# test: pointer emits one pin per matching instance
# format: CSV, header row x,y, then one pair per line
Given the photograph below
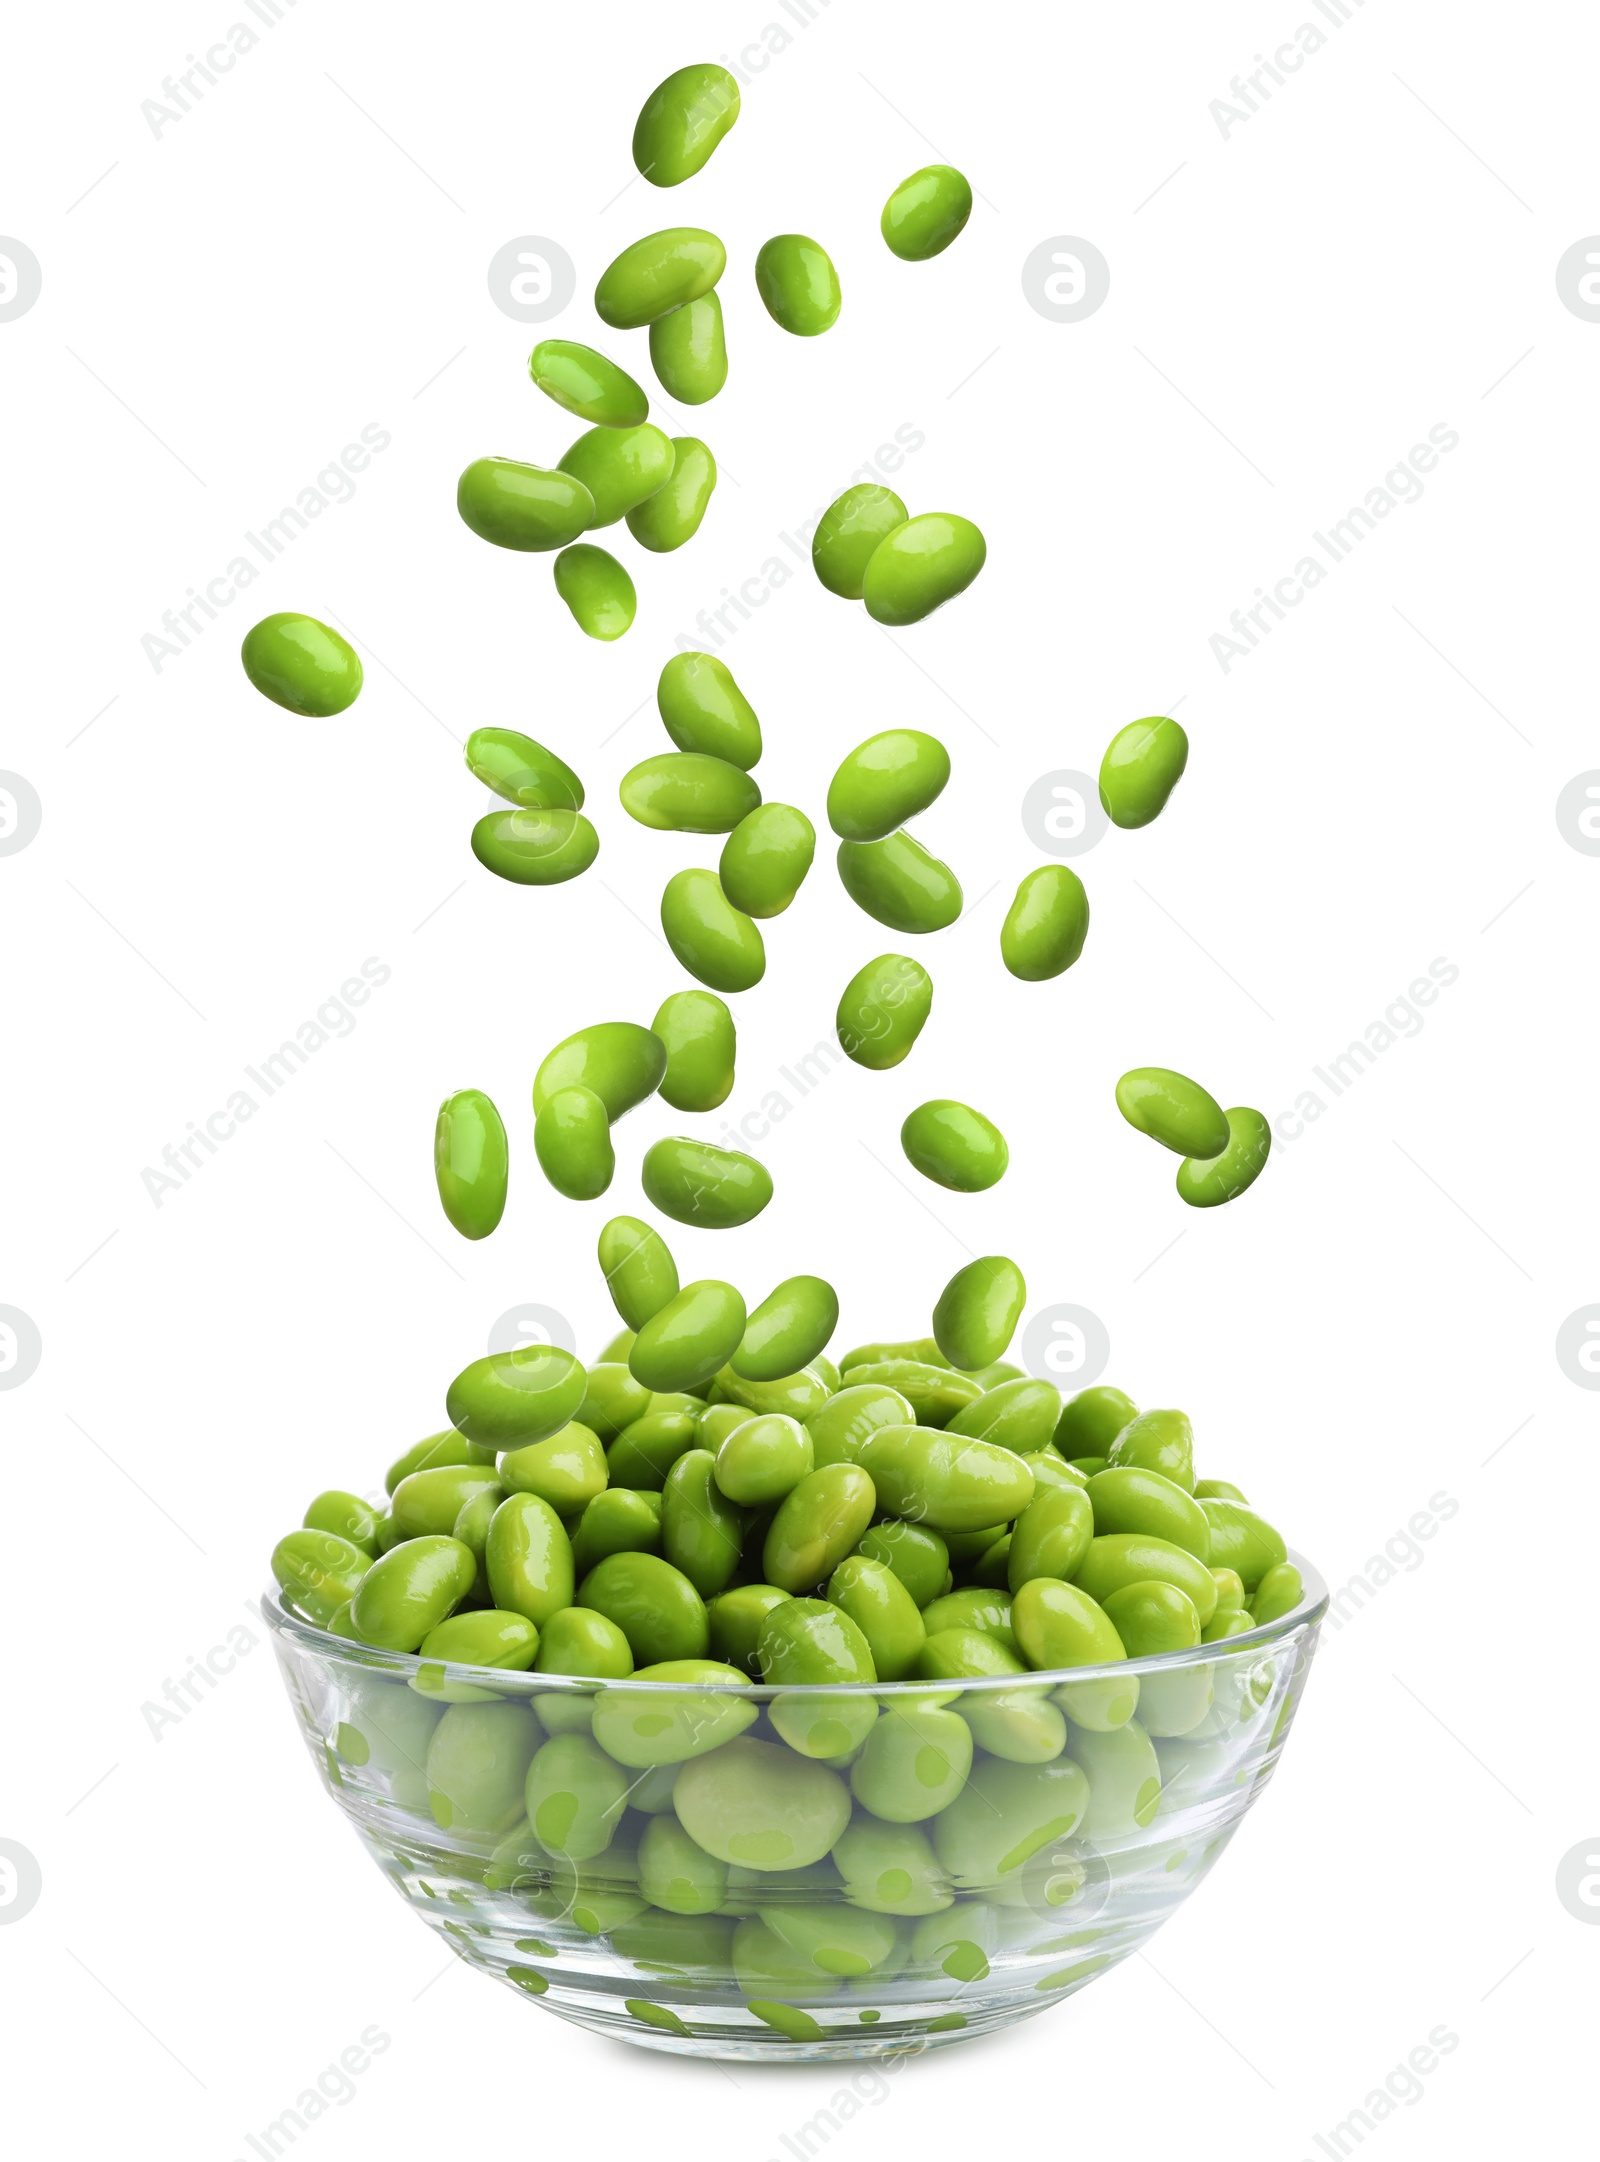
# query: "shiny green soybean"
x,y
755,1804
978,1311
898,883
848,535
882,1011
654,1605
584,382
808,1642
1160,1441
687,792
621,1520
639,1270
1242,1541
572,1140
477,1765
1091,1421
703,709
321,1571
798,1396
1206,1182
1003,1815
698,1032
1021,1414
522,771
915,1762
677,509
1173,1110
408,1591
529,1559
694,1182
470,1162
973,1607
716,942
883,1610
568,1470
528,507
735,1619
1130,1497
689,351
1143,764
934,1393
765,859
702,1531
689,1339
1279,1592
818,1523
428,1502
890,1868
947,1482
842,1426
798,284
1051,1536
1117,1559
1124,1776
921,565
916,1554
577,1640
575,1796
486,1638
682,121
511,1398
535,848
885,781
620,467
446,1448
645,1451
620,1061
302,665
955,1146
597,590
926,212
678,1875
1046,924
348,1516
763,1459
663,271
788,1329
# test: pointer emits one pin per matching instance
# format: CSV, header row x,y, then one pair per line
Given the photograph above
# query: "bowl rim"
x,y
284,1622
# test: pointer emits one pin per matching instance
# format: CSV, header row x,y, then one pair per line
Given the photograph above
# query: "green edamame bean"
x,y
883,1610
735,1619
935,1393
1128,1497
410,1590
762,1460
572,1140
765,859
446,1448
950,1655
818,1523
840,1427
993,1566
1052,1536
715,941
674,514
478,1763
532,508
1152,1618
898,883
682,121
713,1425
1243,1541
620,467
1050,1472
470,1160
486,1638
621,1520
663,271
798,1395
597,590
882,1011
694,1182
1173,1110
1230,1622
890,1868
522,771
918,1557
584,382
302,665
832,1940
320,1571
1143,764
703,709
1278,1593
914,1764
884,781
955,1146
926,212
848,535
1118,1558
702,1531
1124,1777
535,848
639,1270
798,284
1091,1421
973,1607
921,565
1022,1415
676,1873
1060,1625
349,1516
759,1805
698,1032
620,1061
428,1502
1004,1814
949,1482
654,1605
642,1728
568,1470
788,1329
575,1796
690,1338
1230,1590
1046,924
386,1737
511,1398
528,1558
1160,1441
807,1642
577,1640
1207,1183
687,792
978,1311
612,1399
643,1453
689,351
1219,1490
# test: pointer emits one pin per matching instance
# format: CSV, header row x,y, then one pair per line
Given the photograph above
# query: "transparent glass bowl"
x,y
1036,1881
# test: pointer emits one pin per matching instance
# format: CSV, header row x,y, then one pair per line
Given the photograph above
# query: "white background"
x,y
1293,305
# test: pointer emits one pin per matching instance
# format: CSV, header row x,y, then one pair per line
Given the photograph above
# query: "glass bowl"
x,y
975,1893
